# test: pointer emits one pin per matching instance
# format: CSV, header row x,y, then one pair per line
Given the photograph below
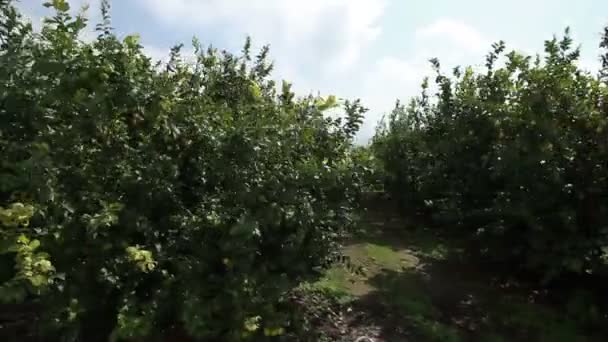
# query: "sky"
x,y
375,50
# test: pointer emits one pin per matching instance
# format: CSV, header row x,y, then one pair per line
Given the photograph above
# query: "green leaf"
x,y
61,5
38,280
34,244
22,239
132,40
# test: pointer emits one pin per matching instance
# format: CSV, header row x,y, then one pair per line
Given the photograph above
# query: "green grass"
x,y
382,255
337,281
373,259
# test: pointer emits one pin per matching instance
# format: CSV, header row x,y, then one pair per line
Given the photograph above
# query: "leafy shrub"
x,y
369,168
513,157
166,197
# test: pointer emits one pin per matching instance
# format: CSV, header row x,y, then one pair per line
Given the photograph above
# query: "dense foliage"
x,y
140,198
512,157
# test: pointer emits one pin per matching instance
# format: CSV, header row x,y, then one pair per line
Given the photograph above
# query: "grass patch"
x,y
376,257
382,255
337,281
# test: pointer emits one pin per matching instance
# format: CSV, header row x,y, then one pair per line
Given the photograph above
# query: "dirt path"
x,y
404,283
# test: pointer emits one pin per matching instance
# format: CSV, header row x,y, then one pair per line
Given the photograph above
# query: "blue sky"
x,y
376,50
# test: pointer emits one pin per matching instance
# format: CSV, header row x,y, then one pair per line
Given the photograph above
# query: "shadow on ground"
x,y
415,286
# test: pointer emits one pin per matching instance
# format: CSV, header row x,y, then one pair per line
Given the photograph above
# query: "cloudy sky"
x,y
376,50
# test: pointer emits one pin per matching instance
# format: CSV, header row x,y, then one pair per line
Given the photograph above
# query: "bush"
x,y
512,158
369,169
140,198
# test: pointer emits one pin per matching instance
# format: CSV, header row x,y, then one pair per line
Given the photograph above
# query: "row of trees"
x,y
140,199
513,158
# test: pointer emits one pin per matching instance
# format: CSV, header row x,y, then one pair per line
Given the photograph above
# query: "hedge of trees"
x,y
141,199
513,157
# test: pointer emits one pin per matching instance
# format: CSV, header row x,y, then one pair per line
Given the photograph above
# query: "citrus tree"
x,y
511,157
142,199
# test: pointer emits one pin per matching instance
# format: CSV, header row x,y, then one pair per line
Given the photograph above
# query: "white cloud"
x,y
157,53
454,32
591,65
330,33
391,78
